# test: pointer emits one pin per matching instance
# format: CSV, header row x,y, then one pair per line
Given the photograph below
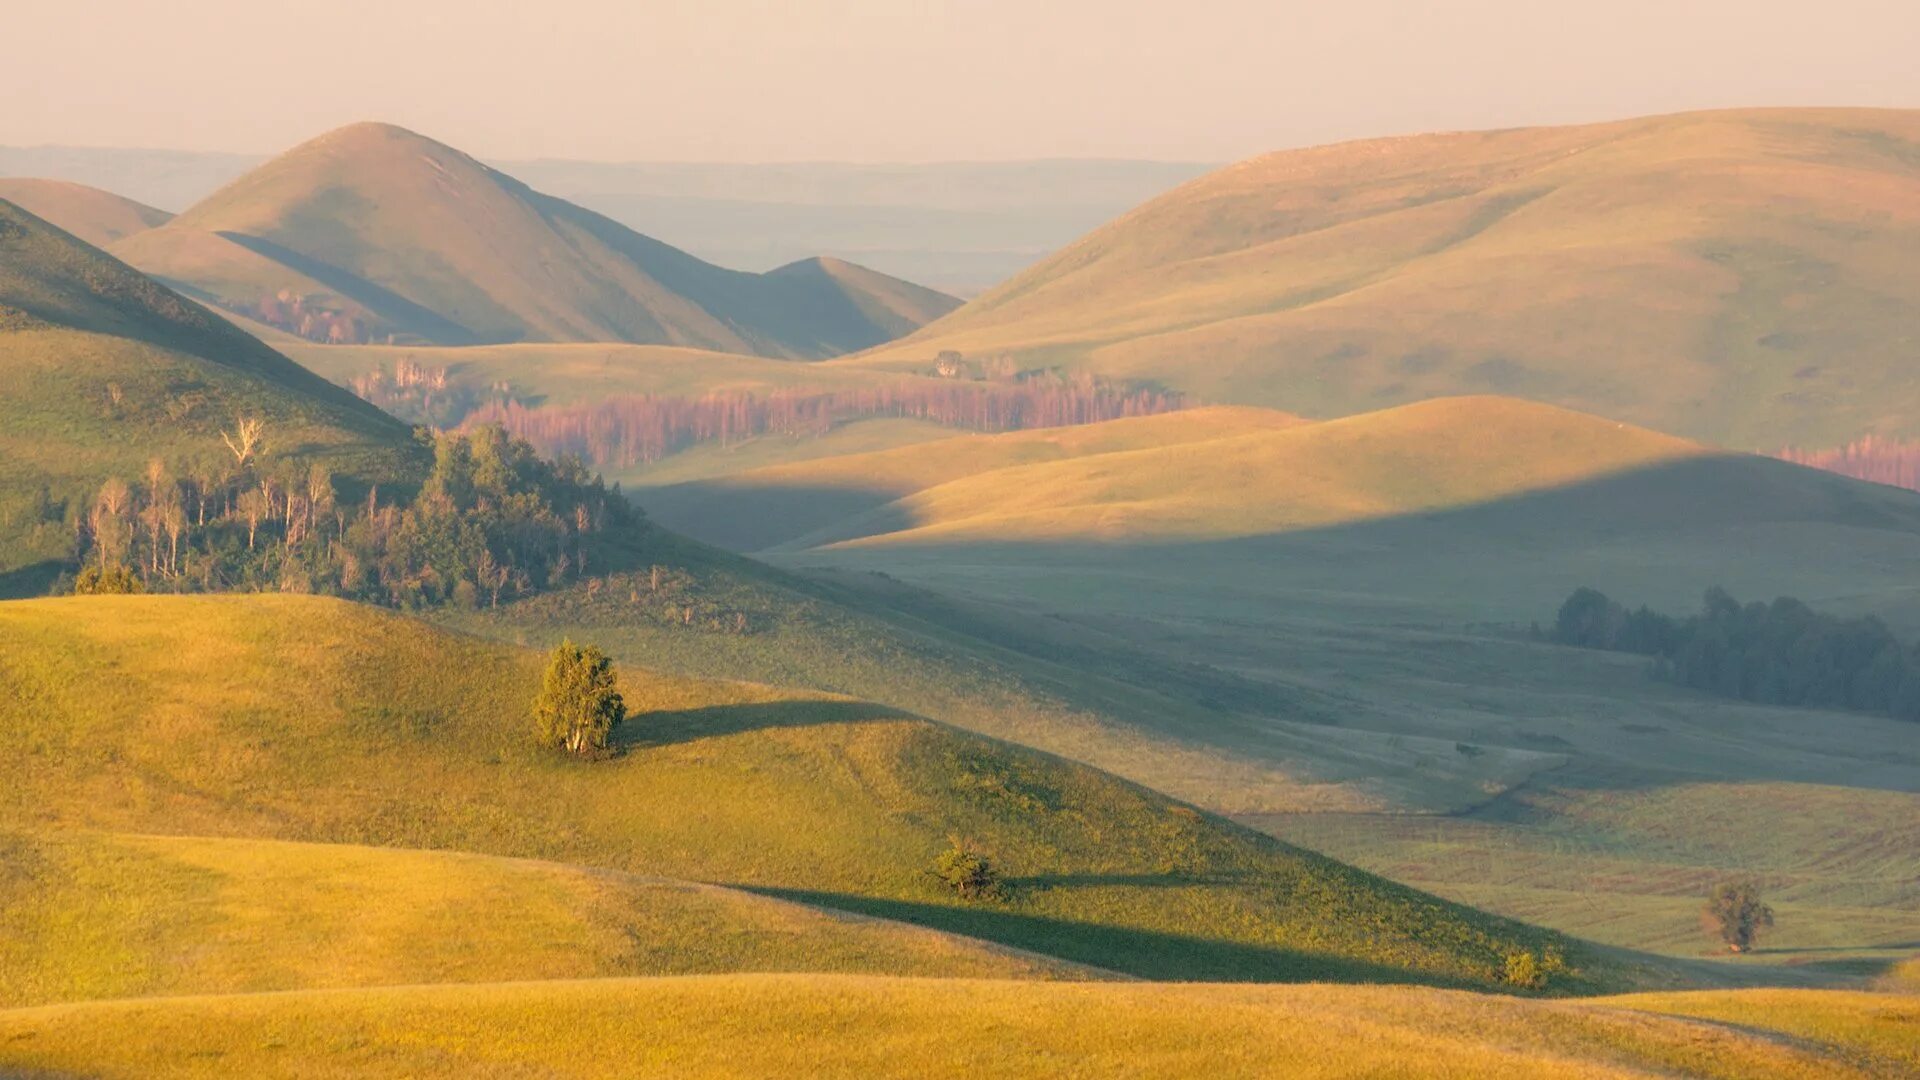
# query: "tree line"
x,y
1782,653
1883,461
492,520
631,430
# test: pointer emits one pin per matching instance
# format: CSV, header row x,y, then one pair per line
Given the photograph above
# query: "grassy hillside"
x,y
98,217
106,369
851,1026
385,232
92,915
299,718
749,510
1737,277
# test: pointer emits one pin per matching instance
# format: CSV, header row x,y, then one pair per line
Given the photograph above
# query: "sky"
x,y
917,80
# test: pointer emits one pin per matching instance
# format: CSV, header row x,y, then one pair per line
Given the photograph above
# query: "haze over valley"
x,y
1434,591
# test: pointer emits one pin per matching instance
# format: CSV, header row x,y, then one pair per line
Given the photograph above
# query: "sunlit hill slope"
x,y
1739,277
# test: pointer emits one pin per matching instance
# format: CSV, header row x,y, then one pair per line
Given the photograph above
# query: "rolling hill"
x,y
98,217
849,1026
295,718
1224,474
378,232
1736,277
97,915
104,369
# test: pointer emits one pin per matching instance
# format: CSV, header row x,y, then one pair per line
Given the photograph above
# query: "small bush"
x,y
1523,969
968,872
103,580
1531,971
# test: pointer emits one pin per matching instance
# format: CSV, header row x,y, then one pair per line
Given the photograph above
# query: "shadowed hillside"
x,y
98,217
1739,277
371,232
104,369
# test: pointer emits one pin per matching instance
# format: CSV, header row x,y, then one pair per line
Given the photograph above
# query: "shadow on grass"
x,y
1146,881
31,580
665,727
1146,954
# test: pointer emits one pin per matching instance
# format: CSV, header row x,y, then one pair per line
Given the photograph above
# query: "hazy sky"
x,y
916,80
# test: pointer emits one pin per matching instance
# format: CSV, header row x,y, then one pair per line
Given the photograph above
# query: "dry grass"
x,y
91,915
738,1026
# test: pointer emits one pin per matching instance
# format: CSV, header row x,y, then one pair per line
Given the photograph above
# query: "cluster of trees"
x,y
493,519
1883,461
627,431
420,394
1783,653
289,311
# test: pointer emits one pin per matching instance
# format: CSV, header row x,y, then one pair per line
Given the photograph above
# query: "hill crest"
x,y
372,231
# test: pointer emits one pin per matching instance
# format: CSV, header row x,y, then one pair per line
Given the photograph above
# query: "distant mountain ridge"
x,y
373,231
960,227
1742,277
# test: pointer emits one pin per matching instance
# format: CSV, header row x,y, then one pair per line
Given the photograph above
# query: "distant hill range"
x,y
372,232
960,227
1745,278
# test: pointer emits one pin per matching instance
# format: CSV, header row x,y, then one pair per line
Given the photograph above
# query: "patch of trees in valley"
x,y
302,317
638,429
492,520
1779,653
420,394
1882,461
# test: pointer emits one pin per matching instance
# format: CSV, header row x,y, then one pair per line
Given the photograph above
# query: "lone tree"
x,y
968,872
578,708
1736,914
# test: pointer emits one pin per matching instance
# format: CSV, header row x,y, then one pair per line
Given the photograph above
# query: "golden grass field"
x,y
748,1025
103,915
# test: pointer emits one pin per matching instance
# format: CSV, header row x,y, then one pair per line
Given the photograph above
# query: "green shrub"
x,y
968,872
109,579
1523,969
